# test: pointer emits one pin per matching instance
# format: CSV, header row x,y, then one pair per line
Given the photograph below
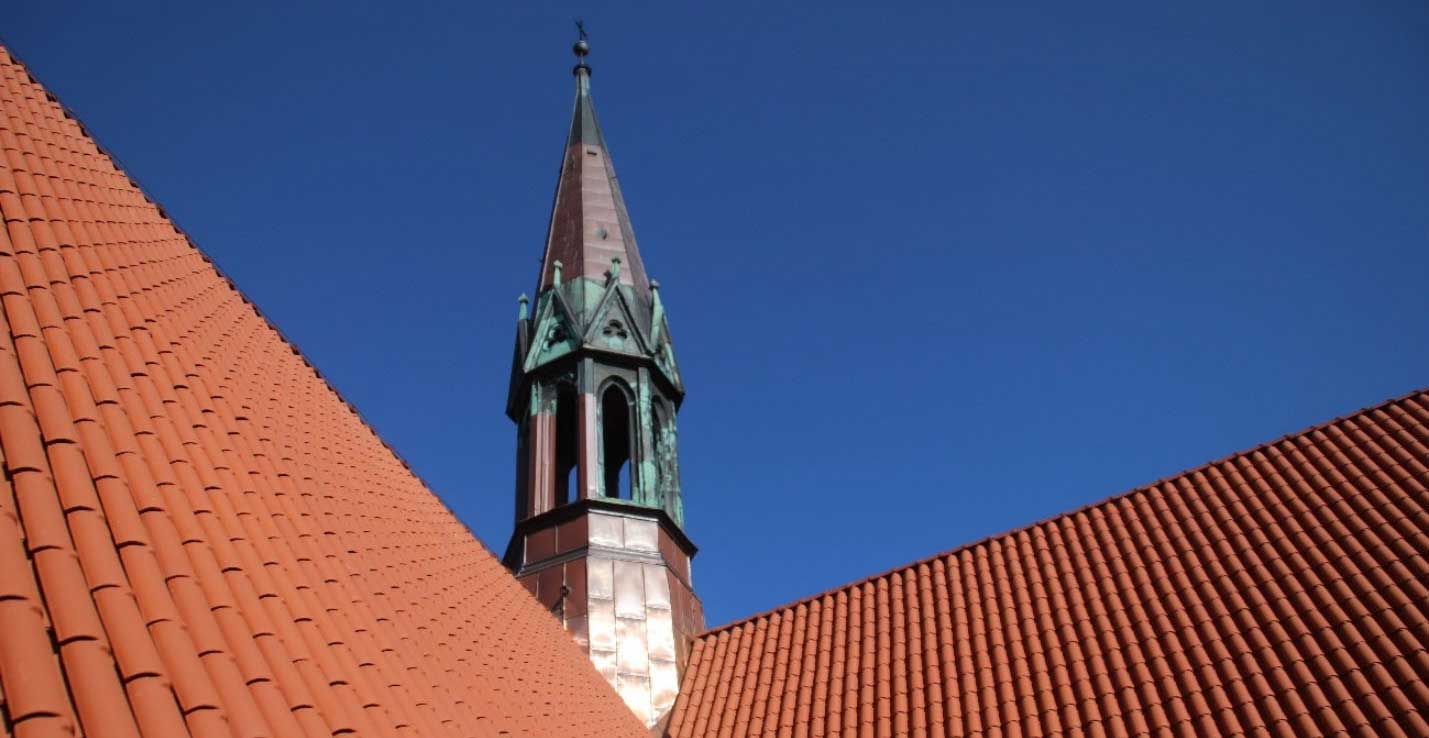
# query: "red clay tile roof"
x,y
197,535
1282,592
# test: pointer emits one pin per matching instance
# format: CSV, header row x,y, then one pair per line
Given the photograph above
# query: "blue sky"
x,y
935,271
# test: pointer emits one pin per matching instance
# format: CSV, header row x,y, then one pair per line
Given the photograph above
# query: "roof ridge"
x,y
1422,390
208,258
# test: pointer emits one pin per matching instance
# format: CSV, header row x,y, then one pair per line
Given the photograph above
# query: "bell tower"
x,y
599,536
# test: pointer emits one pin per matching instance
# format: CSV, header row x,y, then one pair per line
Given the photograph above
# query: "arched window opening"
x,y
615,433
567,429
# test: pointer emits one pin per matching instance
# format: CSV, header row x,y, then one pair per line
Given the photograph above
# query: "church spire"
x,y
595,393
590,226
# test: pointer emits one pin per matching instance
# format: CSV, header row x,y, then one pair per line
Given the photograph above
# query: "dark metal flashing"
x,y
572,510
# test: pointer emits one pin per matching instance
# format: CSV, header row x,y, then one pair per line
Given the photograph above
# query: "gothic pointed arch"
x,y
556,330
617,440
615,325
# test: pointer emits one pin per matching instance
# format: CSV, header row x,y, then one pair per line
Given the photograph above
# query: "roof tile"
x,y
1279,592
182,484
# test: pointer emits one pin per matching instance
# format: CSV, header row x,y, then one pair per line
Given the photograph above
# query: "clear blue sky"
x,y
934,271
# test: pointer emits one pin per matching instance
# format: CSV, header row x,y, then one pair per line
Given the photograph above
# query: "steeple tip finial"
x,y
581,48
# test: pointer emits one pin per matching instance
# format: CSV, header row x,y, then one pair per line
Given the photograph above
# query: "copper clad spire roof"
x,y
590,226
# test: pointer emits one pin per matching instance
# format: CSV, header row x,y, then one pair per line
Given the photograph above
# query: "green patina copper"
x,y
587,294
555,332
600,456
664,354
614,325
602,320
645,485
612,320
665,360
668,459
543,399
657,310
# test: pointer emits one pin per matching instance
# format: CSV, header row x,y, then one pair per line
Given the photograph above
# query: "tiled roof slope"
x,y
197,535
1279,592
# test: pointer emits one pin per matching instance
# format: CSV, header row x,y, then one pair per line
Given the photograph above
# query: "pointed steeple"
x,y
595,394
590,226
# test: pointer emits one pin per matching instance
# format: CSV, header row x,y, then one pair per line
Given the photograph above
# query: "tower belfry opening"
x,y
616,441
595,392
567,440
